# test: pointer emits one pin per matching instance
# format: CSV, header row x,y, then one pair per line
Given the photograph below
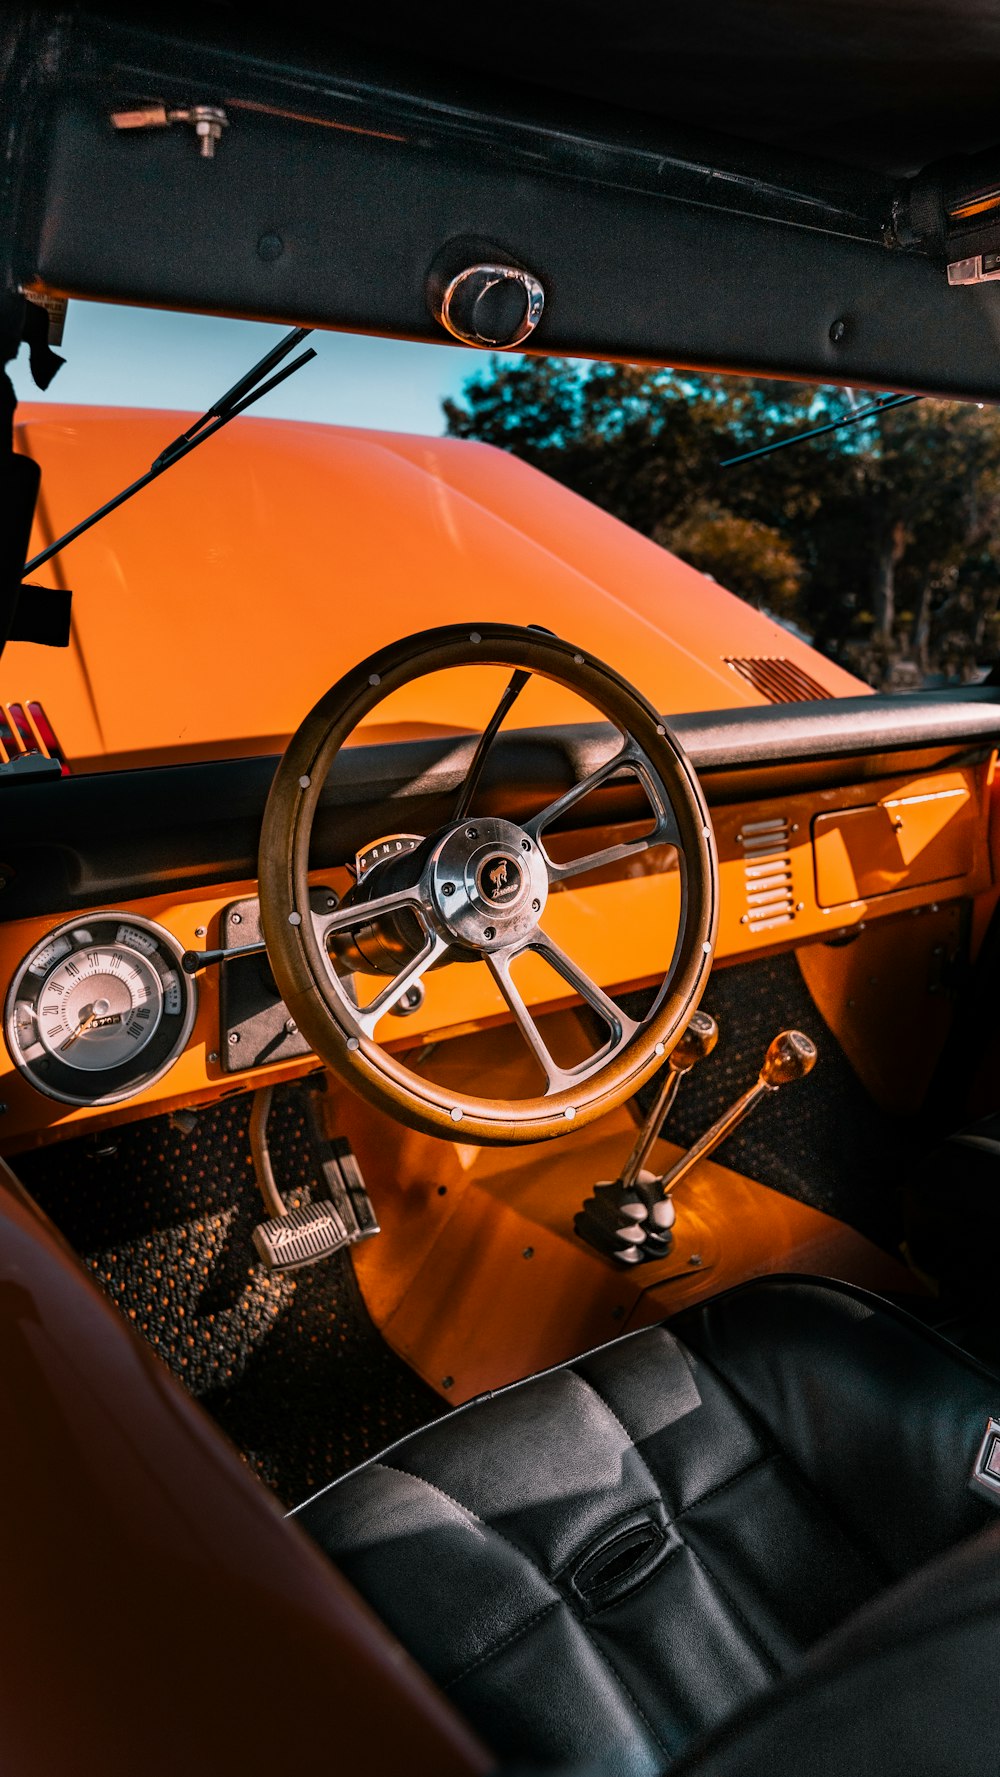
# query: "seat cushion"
x,y
604,1562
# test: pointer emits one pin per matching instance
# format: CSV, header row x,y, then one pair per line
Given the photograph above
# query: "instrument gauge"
x,y
99,1009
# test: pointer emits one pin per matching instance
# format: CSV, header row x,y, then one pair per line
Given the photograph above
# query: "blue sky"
x,y
126,357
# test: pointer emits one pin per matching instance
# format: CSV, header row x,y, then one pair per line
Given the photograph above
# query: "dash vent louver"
x,y
779,680
767,874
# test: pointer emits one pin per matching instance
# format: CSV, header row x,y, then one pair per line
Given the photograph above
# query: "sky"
x,y
131,357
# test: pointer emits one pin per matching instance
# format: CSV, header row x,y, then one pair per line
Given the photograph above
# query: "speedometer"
x,y
99,1009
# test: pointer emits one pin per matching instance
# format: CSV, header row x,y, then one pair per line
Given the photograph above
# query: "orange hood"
x,y
212,611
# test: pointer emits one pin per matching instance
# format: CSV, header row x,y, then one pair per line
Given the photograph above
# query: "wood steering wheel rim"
x,y
293,932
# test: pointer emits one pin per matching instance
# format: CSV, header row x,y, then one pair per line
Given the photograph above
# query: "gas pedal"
x,y
301,1237
341,1215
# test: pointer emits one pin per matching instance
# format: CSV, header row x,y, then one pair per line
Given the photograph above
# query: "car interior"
x,y
500,1090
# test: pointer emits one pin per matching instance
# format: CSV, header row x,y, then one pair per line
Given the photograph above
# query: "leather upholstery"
x,y
609,1560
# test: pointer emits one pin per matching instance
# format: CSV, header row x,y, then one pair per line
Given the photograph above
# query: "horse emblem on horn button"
x,y
499,879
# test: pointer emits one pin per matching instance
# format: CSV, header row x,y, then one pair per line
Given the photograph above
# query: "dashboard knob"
x,y
492,305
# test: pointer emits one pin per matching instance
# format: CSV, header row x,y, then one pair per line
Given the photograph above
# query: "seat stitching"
x,y
720,1486
601,1652
753,1635
767,1435
608,1408
498,1646
469,1513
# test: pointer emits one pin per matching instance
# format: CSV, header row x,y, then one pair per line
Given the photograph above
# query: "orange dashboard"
x,y
794,870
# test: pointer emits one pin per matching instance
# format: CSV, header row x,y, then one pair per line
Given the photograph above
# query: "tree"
x,y
881,540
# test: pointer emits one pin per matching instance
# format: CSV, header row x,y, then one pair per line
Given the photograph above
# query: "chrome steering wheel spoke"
x,y
665,830
620,1026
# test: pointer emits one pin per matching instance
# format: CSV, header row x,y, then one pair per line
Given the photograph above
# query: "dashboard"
x,y
826,817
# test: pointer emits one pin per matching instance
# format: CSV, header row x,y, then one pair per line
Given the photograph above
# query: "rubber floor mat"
x,y
291,1367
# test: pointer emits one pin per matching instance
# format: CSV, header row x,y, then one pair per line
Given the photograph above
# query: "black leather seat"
x,y
608,1562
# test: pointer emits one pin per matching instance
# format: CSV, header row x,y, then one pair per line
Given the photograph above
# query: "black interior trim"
x,y
708,252
117,836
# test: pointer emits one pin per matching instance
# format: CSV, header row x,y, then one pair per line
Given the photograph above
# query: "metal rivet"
x,y
489,932
213,1055
475,636
447,1382
472,832
353,1043
199,931
442,1190
526,845
570,1112
303,783
660,728
270,247
659,1048
536,906
707,948
295,919
234,1036
456,1115
447,888
695,1259
374,679
237,919
332,900
800,906
578,660
837,331
528,1253
290,1026
706,832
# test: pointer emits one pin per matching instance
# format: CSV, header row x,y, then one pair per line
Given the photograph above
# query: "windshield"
x,y
357,505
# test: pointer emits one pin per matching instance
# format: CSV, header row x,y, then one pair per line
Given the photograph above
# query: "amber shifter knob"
x,y
790,1057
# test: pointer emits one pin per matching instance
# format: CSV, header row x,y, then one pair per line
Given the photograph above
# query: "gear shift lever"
x,y
631,1213
695,1045
790,1057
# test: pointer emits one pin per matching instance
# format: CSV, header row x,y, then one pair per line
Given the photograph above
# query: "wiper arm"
x,y
851,419
509,696
235,401
486,739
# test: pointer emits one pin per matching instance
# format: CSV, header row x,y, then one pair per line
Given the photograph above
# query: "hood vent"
x,y
780,681
27,735
767,874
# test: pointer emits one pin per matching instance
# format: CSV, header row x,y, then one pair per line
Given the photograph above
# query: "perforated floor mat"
x,y
291,1367
821,1140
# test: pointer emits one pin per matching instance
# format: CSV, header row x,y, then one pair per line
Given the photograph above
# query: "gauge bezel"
x,y
176,1027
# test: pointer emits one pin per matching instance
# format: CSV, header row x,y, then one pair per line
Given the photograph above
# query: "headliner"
x,y
890,85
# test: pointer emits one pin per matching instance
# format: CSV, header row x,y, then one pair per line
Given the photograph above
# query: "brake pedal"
x,y
340,1217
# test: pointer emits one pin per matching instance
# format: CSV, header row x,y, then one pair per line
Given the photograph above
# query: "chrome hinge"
x,y
207,121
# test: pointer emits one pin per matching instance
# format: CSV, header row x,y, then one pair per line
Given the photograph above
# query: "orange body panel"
x,y
214,609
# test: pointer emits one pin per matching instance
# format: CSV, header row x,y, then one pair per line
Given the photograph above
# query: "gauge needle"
x,y
78,1032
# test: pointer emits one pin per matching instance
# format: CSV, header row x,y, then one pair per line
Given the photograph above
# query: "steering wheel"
x,y
477,889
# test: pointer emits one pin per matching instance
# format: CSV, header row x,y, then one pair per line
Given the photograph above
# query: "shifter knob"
x,y
790,1057
697,1043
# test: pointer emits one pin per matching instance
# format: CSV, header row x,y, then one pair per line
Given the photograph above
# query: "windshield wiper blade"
x,y
235,401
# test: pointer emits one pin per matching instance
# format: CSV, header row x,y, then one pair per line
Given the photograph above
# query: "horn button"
x,y
489,884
